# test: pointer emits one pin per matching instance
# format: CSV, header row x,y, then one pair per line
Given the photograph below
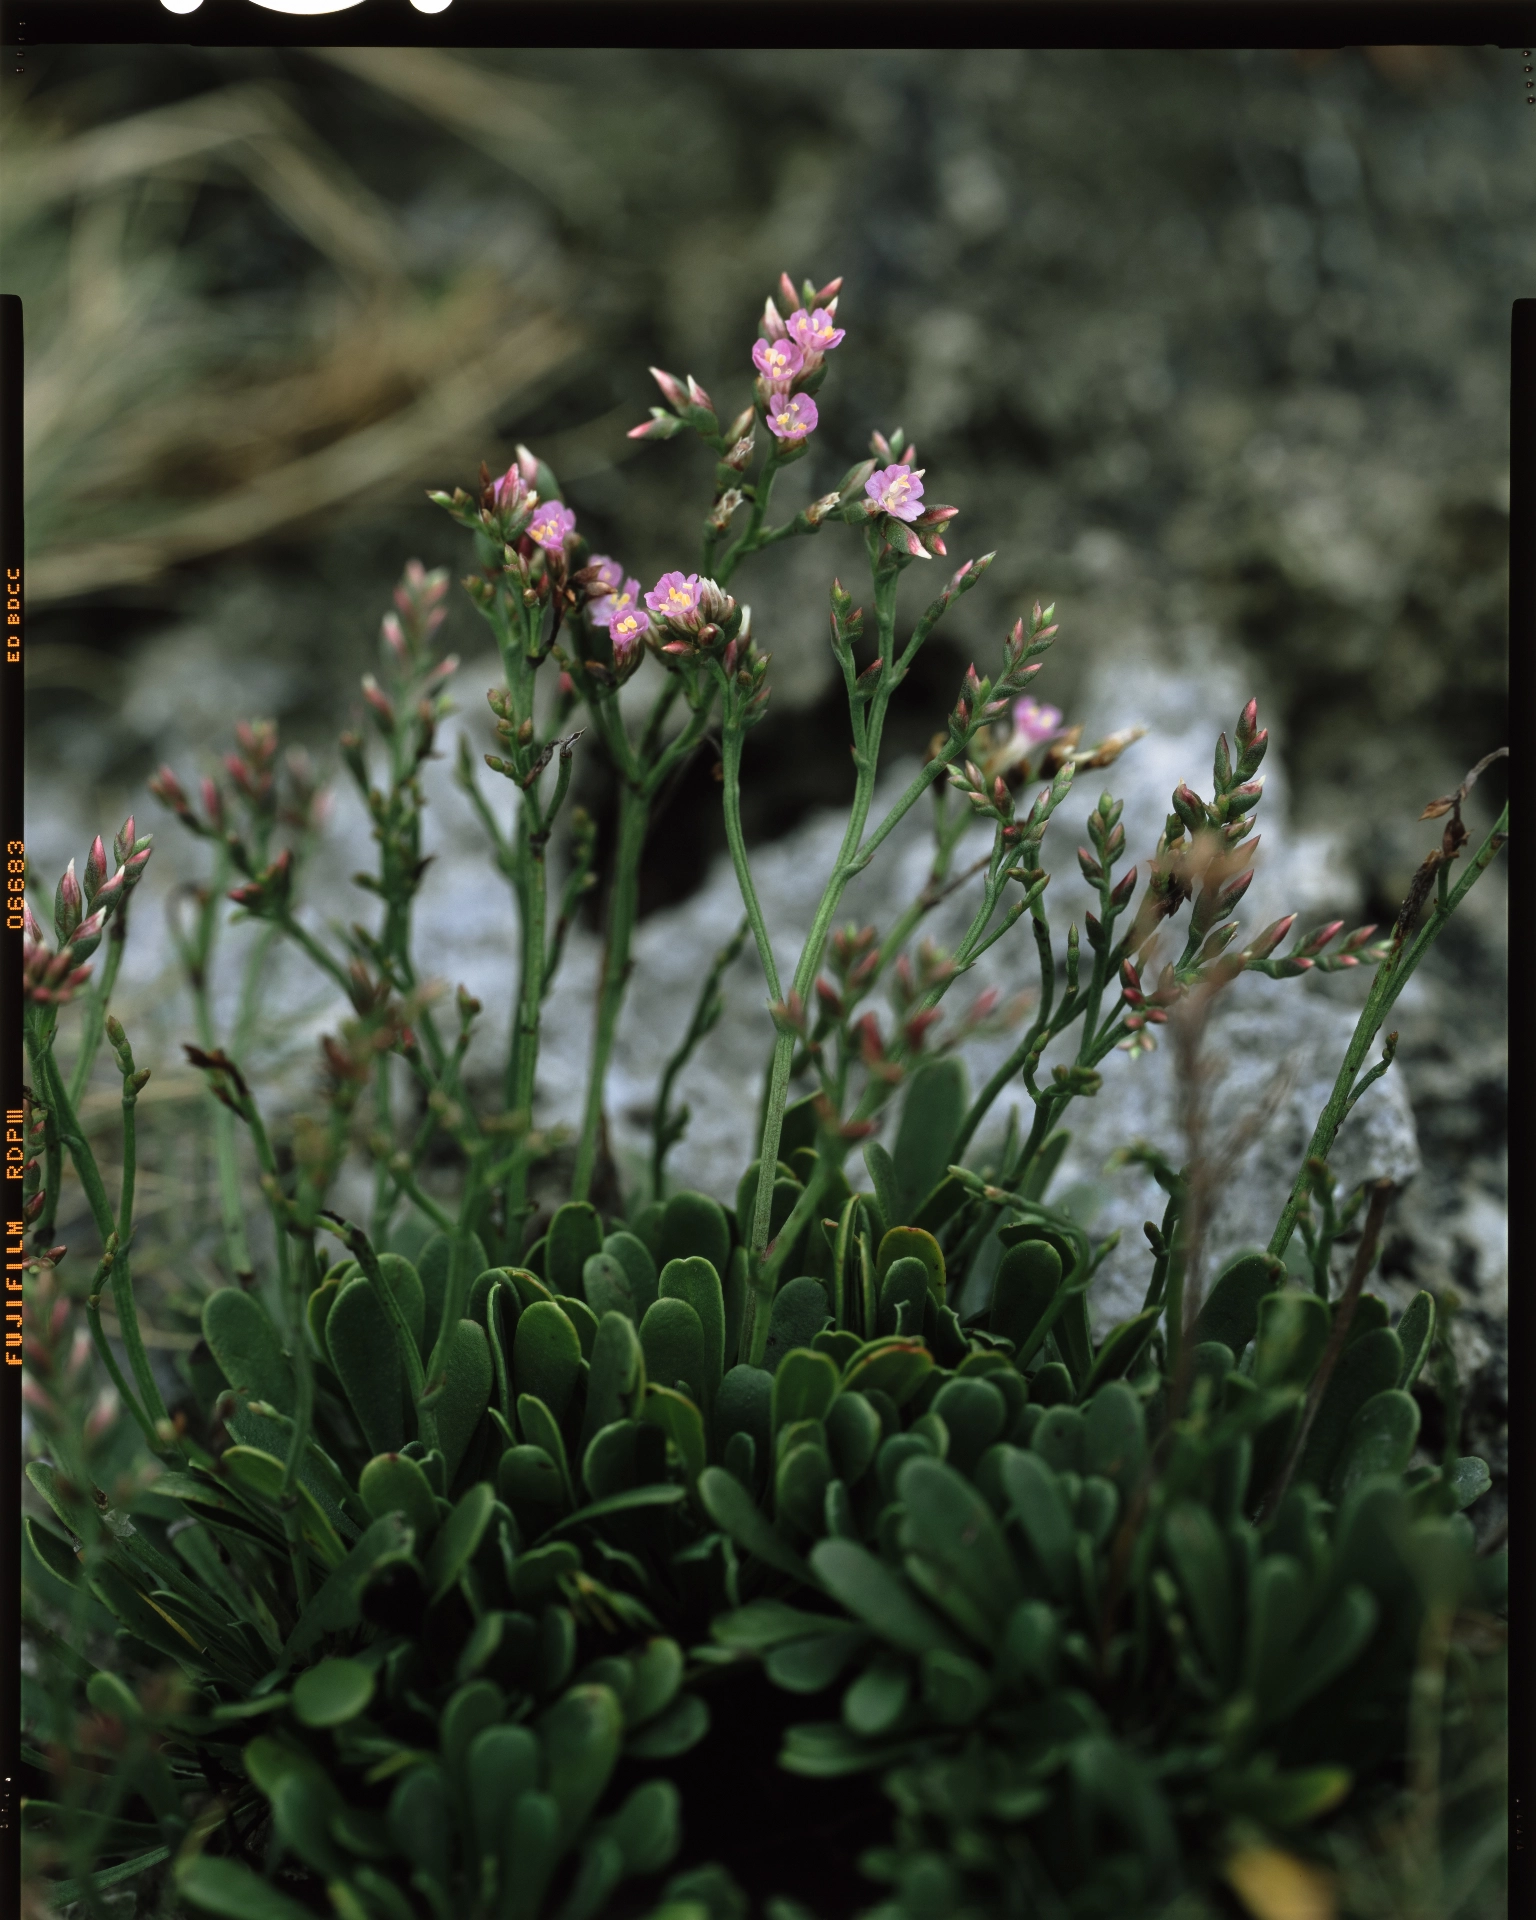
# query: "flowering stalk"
x,y
869,698
1408,948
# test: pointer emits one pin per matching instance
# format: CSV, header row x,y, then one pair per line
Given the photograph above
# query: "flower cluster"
x,y
80,916
893,488
789,353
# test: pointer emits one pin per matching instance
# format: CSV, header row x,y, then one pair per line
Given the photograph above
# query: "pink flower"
x,y
778,361
814,332
1033,722
607,575
623,599
897,491
791,419
551,526
675,596
627,631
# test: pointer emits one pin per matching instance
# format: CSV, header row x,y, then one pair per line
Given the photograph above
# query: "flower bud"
x,y
67,905
379,701
1123,888
124,843
87,936
672,389
95,871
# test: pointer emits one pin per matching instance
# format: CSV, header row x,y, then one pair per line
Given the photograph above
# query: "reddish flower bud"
x,y
672,389
1124,887
68,903
95,870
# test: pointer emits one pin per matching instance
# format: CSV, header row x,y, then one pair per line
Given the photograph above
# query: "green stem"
x,y
96,1006
623,901
1391,977
531,886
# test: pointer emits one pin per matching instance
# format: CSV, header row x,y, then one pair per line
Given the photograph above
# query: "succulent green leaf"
x,y
1028,1276
1031,1645
975,1413
611,1461
878,1698
949,1523
248,1348
1122,1349
1035,1495
226,1888
874,1593
1115,1436
546,1356
694,1227
1277,1594
931,1118
682,1726
800,1487
696,1280
1416,1334
582,1318
798,1314
812,1663
1198,1554
539,1428
465,1393
404,1282
616,1382
804,1387
262,1473
457,1539
1230,1312
730,1506
887,1195
657,1674
1293,1328
528,1287
896,1368
1380,1439
606,1283
679,1419
528,1473
744,1404
332,1693
336,1606
903,1297
912,1243
673,1341
432,1267
1331,1647
647,1829
1060,1439
394,1483
575,1234
654,1493
365,1357
955,1689
854,1433
536,1574
1367,1366
318,1310
421,1821
582,1734
503,1763
1468,1480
